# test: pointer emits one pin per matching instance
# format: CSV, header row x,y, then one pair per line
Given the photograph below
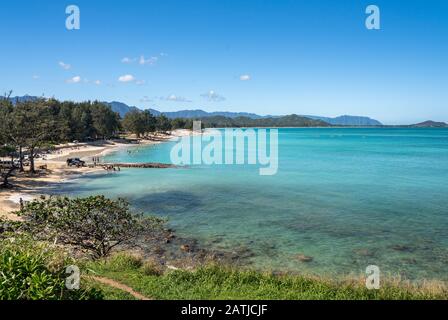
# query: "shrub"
x,y
34,271
152,268
95,224
124,261
7,226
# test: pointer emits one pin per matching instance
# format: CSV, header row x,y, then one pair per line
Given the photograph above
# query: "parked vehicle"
x,y
75,162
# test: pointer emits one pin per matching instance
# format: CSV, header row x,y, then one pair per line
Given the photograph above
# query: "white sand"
x,y
28,187
15,198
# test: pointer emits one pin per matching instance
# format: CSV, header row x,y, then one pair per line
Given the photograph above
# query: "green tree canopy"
x,y
95,224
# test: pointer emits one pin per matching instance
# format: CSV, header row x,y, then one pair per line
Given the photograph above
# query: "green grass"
x,y
218,282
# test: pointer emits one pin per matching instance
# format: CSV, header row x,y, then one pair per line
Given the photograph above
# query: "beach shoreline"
x,y
28,187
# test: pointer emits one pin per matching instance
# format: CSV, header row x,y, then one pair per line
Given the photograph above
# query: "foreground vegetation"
x,y
33,273
36,271
59,232
35,252
222,283
94,225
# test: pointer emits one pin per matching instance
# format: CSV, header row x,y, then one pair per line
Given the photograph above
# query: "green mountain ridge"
x,y
430,124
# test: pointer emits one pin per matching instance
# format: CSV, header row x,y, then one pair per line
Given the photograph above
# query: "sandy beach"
x,y
28,187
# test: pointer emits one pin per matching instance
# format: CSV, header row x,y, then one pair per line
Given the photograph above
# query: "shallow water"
x,y
346,197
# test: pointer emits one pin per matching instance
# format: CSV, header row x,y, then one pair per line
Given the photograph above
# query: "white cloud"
x,y
35,77
126,78
213,96
151,61
245,77
131,78
97,82
76,79
127,60
143,61
64,65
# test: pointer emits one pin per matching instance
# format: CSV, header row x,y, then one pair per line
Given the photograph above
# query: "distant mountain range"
x,y
23,98
348,121
122,109
345,120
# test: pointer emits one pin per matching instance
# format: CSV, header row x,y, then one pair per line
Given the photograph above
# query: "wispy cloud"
x,y
140,82
64,65
175,98
36,77
76,79
126,78
213,96
245,77
144,61
128,60
145,99
151,61
97,82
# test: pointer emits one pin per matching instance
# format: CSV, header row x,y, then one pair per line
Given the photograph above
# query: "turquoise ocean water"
x,y
348,197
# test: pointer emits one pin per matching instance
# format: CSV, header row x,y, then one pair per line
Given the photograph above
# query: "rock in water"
x,y
403,248
304,258
185,248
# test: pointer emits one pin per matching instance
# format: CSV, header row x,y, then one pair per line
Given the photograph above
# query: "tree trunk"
x,y
6,175
21,159
32,168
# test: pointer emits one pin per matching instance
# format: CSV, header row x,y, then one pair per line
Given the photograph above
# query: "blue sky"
x,y
262,56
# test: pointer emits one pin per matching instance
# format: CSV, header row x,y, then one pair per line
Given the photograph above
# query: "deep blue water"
x,y
348,197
